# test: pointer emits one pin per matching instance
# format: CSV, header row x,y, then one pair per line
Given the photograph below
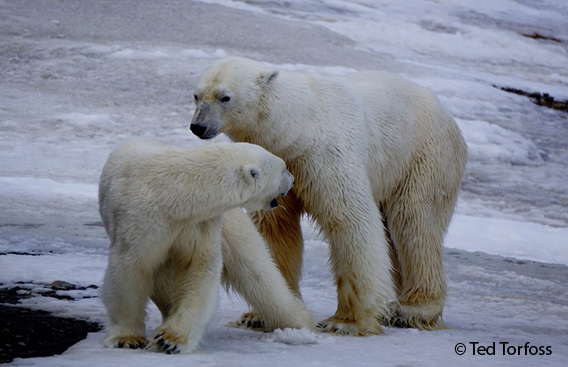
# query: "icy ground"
x,y
76,78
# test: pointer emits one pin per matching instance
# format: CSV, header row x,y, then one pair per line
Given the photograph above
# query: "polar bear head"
x,y
264,175
229,95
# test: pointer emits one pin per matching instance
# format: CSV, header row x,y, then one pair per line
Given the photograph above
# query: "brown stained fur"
x,y
250,321
348,311
349,327
395,269
350,303
354,286
282,231
350,297
339,283
403,320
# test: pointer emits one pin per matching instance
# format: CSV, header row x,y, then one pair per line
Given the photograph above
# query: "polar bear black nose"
x,y
198,130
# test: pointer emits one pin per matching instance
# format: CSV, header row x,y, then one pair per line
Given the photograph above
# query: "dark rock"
x,y
61,285
541,99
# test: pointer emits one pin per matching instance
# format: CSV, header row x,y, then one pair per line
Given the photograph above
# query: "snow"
x,y
80,77
514,239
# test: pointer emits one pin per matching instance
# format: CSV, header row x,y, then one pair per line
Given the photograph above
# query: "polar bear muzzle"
x,y
203,132
199,130
202,124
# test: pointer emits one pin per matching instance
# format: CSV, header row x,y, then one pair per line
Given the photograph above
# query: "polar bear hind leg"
x,y
417,216
187,289
126,327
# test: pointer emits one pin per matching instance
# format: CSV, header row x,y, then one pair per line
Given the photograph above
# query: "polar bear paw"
x,y
167,341
250,321
126,342
427,316
341,327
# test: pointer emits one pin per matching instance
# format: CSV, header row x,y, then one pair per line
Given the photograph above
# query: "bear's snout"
x,y
198,130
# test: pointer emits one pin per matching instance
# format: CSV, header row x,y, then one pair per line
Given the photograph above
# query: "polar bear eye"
x,y
196,98
225,99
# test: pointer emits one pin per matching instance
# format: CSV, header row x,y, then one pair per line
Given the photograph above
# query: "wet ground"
x,y
26,333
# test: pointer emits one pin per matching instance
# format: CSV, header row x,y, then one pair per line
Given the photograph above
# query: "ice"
x,y
296,337
487,142
509,238
42,187
77,78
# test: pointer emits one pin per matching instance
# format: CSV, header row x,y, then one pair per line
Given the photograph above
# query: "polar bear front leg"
x,y
195,274
250,270
351,222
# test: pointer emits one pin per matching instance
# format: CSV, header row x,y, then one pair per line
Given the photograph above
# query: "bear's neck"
x,y
285,126
283,144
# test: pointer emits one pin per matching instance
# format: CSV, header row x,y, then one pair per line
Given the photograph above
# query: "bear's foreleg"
x,y
195,272
344,208
250,270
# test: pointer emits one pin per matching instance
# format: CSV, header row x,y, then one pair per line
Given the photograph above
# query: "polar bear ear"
x,y
251,173
265,77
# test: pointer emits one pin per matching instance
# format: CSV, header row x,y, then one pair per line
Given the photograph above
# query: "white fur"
x,y
162,208
366,150
249,269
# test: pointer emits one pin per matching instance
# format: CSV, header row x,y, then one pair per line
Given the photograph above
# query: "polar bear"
x,y
162,208
378,164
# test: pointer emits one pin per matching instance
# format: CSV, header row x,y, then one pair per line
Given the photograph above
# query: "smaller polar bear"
x,y
162,208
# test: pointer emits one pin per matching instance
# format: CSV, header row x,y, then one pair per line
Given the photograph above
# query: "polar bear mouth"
x,y
274,203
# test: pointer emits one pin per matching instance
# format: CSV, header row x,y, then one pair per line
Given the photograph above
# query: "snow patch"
x,y
491,143
509,238
296,337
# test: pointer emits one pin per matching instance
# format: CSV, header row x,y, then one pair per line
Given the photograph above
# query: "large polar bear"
x,y
162,208
378,163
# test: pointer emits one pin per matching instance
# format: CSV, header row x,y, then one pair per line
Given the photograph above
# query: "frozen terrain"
x,y
76,78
